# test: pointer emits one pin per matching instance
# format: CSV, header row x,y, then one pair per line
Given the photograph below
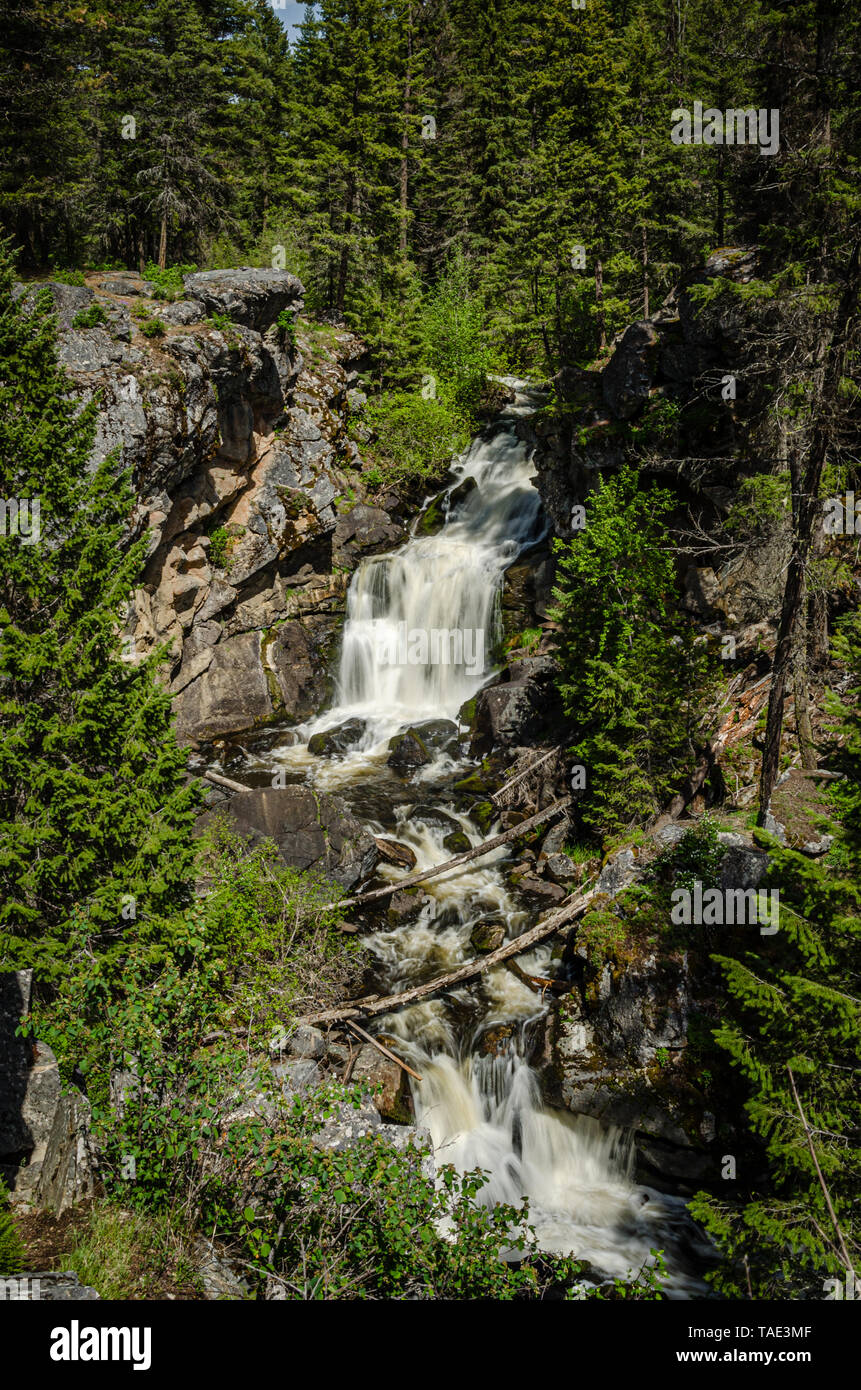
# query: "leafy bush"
x,y
414,439
152,328
68,277
90,317
452,328
168,281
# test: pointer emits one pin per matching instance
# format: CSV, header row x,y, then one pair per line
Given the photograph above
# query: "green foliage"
x,y
793,1013
90,317
222,322
285,327
153,328
124,1253
95,813
414,439
168,282
219,546
759,507
696,857
68,277
632,679
602,933
454,339
12,1254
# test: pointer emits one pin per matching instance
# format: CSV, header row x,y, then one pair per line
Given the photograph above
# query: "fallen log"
x,y
421,875
359,1008
381,1047
227,782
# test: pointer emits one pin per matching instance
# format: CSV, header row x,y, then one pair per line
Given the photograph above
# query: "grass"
x,y
130,1254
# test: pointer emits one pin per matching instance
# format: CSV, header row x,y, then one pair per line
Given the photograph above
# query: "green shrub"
x,y
285,326
168,282
152,328
414,439
90,317
68,277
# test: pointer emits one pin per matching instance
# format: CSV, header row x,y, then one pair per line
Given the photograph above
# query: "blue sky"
x,y
291,13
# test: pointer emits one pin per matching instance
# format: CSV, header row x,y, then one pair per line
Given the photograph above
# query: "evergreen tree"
x,y
631,677
95,812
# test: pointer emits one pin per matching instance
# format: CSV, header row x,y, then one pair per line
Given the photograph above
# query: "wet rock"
x,y
433,815
518,712
407,751
496,1042
388,1083
436,734
405,905
396,853
311,831
456,843
330,743
248,296
487,936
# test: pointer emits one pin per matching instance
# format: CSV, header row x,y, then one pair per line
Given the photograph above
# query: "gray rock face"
x,y
249,296
46,1152
68,300
232,695
364,531
311,831
628,376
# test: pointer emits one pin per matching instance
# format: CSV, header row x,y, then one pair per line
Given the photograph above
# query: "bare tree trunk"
x,y
162,243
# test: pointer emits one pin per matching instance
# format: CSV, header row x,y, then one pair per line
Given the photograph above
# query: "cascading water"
x,y
483,1109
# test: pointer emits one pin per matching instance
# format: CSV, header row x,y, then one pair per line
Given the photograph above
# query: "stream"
x,y
479,1096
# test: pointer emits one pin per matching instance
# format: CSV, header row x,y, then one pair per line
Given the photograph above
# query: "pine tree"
x,y
631,677
95,809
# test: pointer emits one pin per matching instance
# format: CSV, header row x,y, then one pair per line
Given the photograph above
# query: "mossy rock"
x,y
474,783
456,843
487,936
482,812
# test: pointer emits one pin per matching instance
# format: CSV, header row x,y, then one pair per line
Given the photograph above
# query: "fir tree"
x,y
95,812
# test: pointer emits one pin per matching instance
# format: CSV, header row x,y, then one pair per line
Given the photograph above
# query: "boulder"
x,y
248,295
407,751
487,936
330,743
396,853
312,831
52,1286
294,658
388,1083
364,531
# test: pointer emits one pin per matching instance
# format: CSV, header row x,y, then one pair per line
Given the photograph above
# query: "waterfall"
x,y
482,1109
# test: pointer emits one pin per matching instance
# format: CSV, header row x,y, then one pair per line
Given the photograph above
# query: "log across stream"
x,y
468,1042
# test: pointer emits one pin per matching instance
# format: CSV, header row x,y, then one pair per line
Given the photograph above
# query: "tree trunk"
x,y
645,273
162,243
600,322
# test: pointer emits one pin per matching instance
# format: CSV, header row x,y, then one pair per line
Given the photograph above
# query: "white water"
x,y
481,1110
